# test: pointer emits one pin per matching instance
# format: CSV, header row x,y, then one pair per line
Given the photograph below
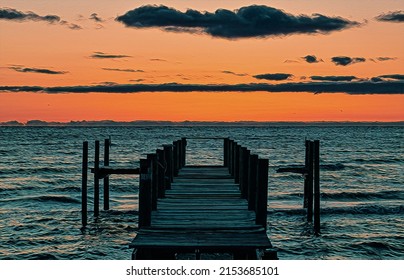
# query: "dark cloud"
x,y
333,78
235,74
393,76
246,22
101,55
397,16
363,87
95,17
345,60
15,15
124,70
37,70
376,79
137,80
312,59
273,77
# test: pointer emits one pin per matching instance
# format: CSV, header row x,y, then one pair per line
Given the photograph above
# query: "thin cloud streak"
x,y
37,70
235,74
15,15
101,55
124,70
362,87
255,21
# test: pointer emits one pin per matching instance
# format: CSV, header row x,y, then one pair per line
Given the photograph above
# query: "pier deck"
x,y
203,212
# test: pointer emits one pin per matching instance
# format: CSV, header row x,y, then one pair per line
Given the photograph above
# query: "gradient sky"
x,y
87,46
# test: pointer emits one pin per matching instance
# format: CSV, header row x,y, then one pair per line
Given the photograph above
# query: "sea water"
x,y
362,188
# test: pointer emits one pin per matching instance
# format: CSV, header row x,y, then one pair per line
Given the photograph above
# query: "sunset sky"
x,y
205,60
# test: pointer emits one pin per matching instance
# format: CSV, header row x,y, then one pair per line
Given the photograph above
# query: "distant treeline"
x,y
194,123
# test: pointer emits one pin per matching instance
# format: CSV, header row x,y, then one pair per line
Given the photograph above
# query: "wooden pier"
x,y
193,209
202,209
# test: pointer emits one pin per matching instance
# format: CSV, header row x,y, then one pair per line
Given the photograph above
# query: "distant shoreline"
x,y
110,123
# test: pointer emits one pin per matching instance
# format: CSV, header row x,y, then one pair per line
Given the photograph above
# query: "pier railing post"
x,y
175,159
309,168
152,158
84,185
184,151
262,193
226,152
252,181
237,164
231,157
245,154
145,196
160,174
316,164
241,169
168,156
106,179
96,179
306,179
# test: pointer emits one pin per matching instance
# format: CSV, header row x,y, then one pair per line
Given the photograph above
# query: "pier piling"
x,y
84,185
96,179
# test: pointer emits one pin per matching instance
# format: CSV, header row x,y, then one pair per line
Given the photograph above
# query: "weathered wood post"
x,y
184,151
262,193
244,178
252,181
168,151
316,155
175,159
237,164
226,152
306,179
241,170
96,179
145,196
309,176
231,157
152,158
160,174
84,185
106,179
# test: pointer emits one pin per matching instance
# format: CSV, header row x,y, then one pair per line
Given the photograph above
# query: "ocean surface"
x,y
362,185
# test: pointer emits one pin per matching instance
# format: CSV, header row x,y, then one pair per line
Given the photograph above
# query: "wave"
x,y
345,195
378,160
362,195
365,209
46,198
324,167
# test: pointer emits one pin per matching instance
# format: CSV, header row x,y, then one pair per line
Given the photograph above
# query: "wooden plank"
x,y
201,239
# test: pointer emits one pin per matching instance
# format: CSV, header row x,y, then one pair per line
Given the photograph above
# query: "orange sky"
x,y
167,57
